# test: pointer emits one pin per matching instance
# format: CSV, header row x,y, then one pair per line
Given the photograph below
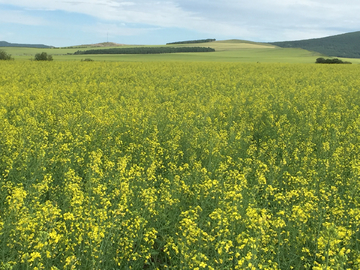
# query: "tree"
x,y
43,57
4,55
320,60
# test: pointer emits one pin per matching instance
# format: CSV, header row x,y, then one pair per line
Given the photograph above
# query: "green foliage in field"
x,y
87,60
322,60
179,166
43,57
4,55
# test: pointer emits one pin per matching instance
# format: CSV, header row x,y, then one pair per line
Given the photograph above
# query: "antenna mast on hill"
x,y
107,37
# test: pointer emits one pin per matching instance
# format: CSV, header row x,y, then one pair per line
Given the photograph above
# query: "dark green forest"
x,y
344,45
146,50
192,41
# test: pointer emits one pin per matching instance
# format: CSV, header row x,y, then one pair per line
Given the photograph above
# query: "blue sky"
x,y
76,22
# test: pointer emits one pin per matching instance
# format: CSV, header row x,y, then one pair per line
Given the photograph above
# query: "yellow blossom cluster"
x,y
179,166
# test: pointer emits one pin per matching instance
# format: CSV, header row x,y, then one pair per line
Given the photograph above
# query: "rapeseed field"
x,y
179,166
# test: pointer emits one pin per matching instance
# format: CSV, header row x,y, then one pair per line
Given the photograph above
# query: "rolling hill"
x,y
233,50
8,44
343,45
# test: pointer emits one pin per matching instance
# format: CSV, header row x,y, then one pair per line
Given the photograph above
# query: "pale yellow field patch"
x,y
228,45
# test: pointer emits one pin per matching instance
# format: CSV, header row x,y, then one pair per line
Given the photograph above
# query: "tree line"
x,y
192,41
146,50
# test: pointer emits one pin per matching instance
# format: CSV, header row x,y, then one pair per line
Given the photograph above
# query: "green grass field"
x,y
226,51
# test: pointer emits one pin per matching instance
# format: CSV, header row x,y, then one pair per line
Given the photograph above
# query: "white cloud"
x,y
19,17
110,30
256,19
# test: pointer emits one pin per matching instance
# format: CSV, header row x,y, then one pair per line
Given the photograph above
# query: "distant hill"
x,y
192,41
7,44
344,45
103,44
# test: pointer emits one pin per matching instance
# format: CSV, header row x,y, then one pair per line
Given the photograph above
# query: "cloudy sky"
x,y
75,22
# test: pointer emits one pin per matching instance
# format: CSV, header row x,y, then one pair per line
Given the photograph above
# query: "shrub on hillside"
x,y
43,57
4,55
322,60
